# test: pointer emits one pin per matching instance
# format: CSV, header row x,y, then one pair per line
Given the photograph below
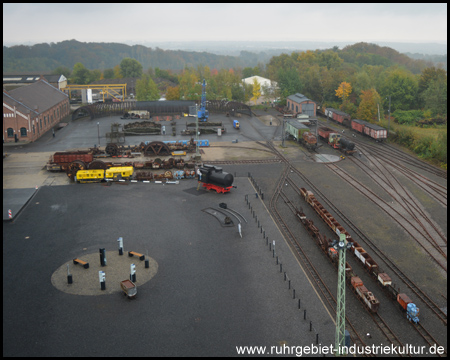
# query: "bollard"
x,y
120,241
261,230
293,290
281,267
277,259
264,233
101,277
267,240
285,276
102,257
304,316
147,263
310,326
262,196
270,246
69,276
133,273
273,253
317,338
289,282
299,304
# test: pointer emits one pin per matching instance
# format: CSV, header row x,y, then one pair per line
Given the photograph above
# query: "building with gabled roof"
x,y
30,111
300,104
14,80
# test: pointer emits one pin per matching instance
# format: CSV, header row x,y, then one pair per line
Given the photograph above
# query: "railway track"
x,y
425,240
273,208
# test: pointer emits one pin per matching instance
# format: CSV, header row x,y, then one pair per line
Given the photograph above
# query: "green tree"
x,y
108,74
288,82
435,97
80,75
130,68
402,86
62,70
153,94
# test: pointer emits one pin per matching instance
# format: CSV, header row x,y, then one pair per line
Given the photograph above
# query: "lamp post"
x,y
98,133
389,116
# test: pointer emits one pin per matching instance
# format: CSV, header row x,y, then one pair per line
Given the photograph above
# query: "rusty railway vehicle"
x,y
370,265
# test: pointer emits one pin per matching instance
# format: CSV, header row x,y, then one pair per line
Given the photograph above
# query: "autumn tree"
x,y
117,72
368,107
173,93
190,86
344,90
256,90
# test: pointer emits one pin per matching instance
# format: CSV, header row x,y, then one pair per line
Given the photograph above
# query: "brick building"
x,y
30,111
300,104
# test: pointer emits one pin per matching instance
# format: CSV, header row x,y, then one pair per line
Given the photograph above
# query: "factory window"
x,y
23,131
10,132
40,122
34,130
296,108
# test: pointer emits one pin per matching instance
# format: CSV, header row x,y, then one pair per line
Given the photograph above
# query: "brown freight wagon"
x,y
60,161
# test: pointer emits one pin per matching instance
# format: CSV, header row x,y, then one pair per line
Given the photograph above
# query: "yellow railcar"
x,y
98,175
85,176
124,172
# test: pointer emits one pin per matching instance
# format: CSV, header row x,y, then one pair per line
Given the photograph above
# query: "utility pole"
x,y
389,116
341,247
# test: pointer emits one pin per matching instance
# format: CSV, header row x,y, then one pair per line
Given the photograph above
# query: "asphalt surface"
x,y
213,290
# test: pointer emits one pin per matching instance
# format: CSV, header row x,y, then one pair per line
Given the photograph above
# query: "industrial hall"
x,y
30,111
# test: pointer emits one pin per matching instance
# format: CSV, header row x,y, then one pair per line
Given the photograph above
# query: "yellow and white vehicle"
x,y
98,175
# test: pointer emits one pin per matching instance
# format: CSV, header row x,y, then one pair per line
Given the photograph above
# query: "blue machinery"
x,y
203,114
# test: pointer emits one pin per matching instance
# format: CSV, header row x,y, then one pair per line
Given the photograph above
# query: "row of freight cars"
x,y
302,134
326,245
363,127
405,303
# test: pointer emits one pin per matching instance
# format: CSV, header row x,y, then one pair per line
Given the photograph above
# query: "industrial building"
x,y
300,104
30,111
15,80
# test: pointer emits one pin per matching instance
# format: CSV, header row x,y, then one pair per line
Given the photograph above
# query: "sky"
x,y
125,23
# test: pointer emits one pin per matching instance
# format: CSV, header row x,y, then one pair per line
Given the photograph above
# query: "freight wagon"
x,y
60,161
372,130
326,245
383,279
339,116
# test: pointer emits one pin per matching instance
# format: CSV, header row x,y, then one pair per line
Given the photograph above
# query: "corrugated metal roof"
x,y
40,94
298,98
297,124
26,79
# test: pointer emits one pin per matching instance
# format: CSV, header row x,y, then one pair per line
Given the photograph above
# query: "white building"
x,y
264,83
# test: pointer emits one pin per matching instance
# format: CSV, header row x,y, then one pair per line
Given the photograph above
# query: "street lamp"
x,y
98,133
